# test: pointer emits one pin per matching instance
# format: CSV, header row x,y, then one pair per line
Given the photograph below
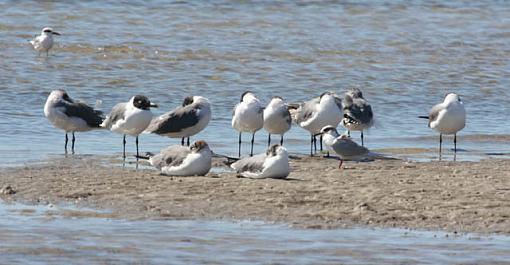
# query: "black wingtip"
x,y
423,117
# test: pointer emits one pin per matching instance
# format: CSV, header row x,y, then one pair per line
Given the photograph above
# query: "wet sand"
x,y
456,197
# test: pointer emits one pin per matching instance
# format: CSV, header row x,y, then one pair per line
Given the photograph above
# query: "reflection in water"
x,y
63,236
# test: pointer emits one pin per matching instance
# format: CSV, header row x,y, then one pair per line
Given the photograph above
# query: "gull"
x,y
130,118
69,115
343,146
44,42
447,117
248,117
277,118
358,114
314,114
178,160
272,164
184,121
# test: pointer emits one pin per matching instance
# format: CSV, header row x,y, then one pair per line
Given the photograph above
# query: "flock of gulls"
x,y
320,116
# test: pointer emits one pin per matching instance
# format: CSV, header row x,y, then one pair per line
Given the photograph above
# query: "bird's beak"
x,y
56,33
154,105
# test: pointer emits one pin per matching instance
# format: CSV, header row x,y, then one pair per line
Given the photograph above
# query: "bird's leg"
x,y
124,148
440,143
72,145
362,144
348,133
321,142
188,141
340,164
136,141
252,141
268,140
455,147
315,144
311,145
182,141
239,144
281,140
65,146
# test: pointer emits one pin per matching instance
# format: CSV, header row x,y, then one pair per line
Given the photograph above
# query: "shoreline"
x,y
446,196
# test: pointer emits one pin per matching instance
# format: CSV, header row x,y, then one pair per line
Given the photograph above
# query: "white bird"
x,y
70,116
314,114
277,118
248,117
272,164
130,118
178,160
184,121
358,115
343,146
44,42
448,117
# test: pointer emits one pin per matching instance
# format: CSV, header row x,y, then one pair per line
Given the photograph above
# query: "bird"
x,y
358,115
314,114
448,117
277,118
178,160
184,121
247,116
71,116
130,118
274,163
343,146
44,42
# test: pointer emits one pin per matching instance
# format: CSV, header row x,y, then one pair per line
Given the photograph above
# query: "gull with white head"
x,y
44,42
248,117
277,118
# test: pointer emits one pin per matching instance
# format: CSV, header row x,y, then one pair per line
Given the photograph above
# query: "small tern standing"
x,y
277,118
343,146
248,117
44,42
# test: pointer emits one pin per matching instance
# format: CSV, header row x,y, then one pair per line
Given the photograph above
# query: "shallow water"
x,y
50,234
405,55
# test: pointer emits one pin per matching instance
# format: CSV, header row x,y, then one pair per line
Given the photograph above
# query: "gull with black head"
x,y
71,116
44,42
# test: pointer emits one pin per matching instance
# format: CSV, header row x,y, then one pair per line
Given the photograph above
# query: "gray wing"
x,y
434,112
306,110
358,110
251,164
92,117
175,121
116,114
349,149
170,156
286,115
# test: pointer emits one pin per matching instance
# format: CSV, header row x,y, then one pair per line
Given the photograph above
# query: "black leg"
x,y
362,144
348,133
440,144
188,141
65,146
314,144
321,142
72,144
281,140
239,144
252,141
136,141
268,140
182,140
455,143
124,148
311,145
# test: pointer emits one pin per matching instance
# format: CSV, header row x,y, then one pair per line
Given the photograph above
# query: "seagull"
x,y
248,117
44,42
314,114
178,160
358,114
130,118
343,146
70,116
272,164
277,118
448,117
184,121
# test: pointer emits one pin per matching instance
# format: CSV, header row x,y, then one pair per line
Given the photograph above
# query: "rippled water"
x,y
36,235
405,55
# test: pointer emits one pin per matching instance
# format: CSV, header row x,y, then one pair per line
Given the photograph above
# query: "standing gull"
x,y
248,117
343,146
314,114
70,116
448,117
358,114
44,42
178,160
272,164
130,118
276,118
184,121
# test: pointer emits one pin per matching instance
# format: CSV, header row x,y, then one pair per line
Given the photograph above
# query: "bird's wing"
x,y
92,117
115,115
349,149
434,112
306,110
175,121
250,164
359,110
170,156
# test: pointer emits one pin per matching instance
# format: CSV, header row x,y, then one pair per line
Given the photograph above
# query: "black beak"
x,y
55,33
154,105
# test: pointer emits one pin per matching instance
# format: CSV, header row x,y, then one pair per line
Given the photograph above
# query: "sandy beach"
x,y
455,197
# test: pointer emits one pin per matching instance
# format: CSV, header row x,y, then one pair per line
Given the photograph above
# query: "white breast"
x,y
135,121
